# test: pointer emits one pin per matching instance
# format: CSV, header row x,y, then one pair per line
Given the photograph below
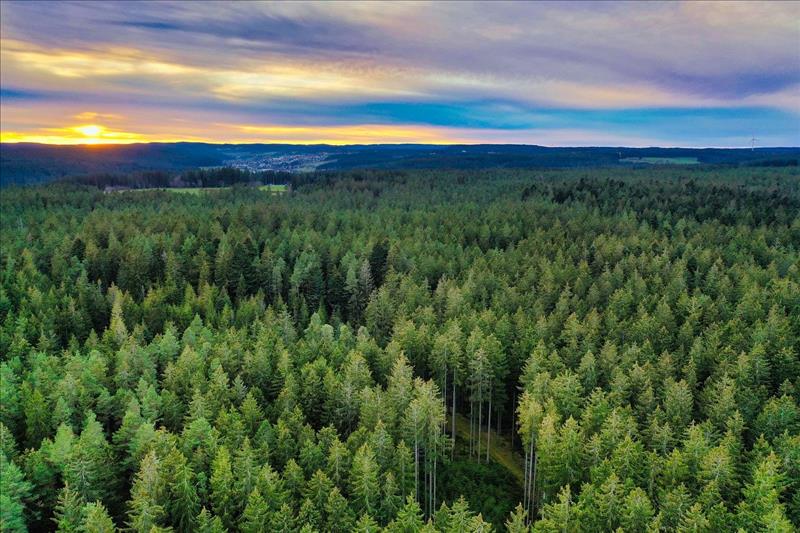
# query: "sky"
x,y
691,74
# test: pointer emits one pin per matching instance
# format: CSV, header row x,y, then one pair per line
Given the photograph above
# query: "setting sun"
x,y
68,134
91,130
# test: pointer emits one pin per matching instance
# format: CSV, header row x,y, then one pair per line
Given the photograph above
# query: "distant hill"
x,y
27,163
35,163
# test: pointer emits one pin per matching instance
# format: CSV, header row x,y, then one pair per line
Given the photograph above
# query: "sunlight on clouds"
x,y
83,64
91,130
89,116
245,133
507,71
84,134
325,134
349,134
305,81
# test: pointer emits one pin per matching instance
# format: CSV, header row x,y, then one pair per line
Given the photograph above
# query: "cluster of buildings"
x,y
280,163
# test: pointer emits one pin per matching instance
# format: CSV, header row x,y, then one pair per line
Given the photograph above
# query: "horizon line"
x,y
438,144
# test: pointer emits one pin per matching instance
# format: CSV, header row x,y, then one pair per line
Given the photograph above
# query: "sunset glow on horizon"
x,y
85,134
550,73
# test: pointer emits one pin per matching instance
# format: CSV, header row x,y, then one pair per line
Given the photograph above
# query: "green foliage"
x,y
14,490
495,496
619,349
96,519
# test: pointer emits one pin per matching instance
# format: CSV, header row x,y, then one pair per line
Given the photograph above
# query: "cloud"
x,y
264,30
496,66
93,116
84,134
11,93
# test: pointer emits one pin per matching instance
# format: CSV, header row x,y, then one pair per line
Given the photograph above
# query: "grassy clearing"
x,y
662,160
500,451
190,190
274,189
177,190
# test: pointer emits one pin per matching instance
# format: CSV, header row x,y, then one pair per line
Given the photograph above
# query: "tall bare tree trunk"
x,y
471,423
434,483
426,505
453,416
513,411
489,428
429,499
533,492
444,400
416,467
426,509
480,420
531,481
525,483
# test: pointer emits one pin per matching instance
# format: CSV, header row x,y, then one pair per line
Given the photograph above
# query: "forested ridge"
x,y
242,361
28,163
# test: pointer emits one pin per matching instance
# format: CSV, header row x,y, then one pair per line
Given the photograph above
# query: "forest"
x,y
28,163
600,349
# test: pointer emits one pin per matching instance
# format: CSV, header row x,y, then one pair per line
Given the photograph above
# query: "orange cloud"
x,y
273,78
350,134
67,63
82,134
91,116
241,133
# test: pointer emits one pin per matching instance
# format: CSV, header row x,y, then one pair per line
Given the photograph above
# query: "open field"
x,y
273,188
662,160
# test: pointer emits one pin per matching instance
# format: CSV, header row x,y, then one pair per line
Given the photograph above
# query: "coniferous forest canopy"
x,y
612,349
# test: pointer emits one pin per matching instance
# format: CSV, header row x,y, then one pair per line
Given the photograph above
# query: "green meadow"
x,y
273,188
662,160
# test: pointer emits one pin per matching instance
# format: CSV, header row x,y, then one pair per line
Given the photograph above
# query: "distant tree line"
x,y
205,177
27,163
